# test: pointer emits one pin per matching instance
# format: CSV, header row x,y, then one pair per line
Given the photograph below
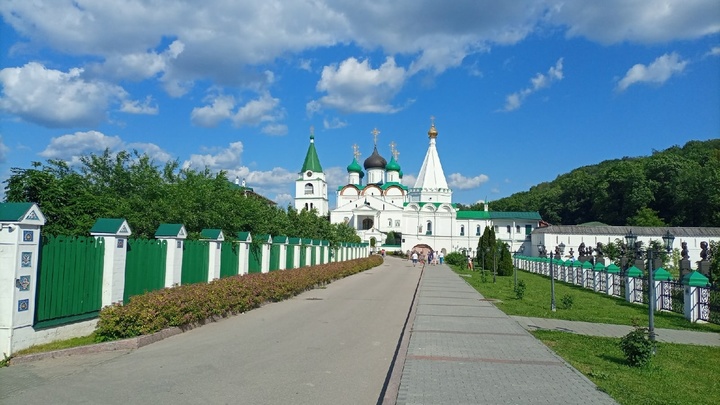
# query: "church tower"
x,y
311,187
431,186
375,164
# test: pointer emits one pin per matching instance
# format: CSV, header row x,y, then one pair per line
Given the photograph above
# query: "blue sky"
x,y
521,91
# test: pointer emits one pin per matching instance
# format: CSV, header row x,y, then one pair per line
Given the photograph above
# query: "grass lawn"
x,y
587,305
678,374
58,345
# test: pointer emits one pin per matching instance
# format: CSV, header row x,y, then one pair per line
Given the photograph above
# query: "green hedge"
x,y
194,303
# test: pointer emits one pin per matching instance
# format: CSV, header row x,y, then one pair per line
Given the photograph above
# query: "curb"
x,y
125,344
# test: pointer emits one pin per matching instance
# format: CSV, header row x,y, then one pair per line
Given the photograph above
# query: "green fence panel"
x,y
290,257
144,266
255,259
275,257
69,280
196,259
229,259
313,256
303,255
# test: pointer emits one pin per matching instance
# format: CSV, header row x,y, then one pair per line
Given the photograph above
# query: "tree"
x,y
646,217
390,240
485,248
505,263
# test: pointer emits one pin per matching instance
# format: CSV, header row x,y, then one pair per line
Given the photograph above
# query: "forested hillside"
x,y
131,186
679,186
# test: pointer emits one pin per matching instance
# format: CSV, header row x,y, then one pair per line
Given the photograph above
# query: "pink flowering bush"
x,y
193,304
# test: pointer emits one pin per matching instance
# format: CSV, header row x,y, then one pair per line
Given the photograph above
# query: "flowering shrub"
x,y
194,303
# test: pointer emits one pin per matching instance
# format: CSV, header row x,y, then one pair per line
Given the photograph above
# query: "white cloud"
x,y
714,51
223,159
460,182
658,72
136,107
263,109
3,151
355,86
53,98
283,200
540,81
408,180
615,21
211,115
334,123
275,129
70,147
153,151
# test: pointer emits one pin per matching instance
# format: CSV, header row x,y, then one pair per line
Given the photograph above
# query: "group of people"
x,y
431,258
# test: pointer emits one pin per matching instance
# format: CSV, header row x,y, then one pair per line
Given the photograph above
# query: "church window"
x,y
311,206
462,230
517,228
477,230
528,229
390,222
429,228
496,229
508,229
367,223
397,223
309,189
306,206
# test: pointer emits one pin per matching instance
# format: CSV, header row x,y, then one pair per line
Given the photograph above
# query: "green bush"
x,y
567,301
637,347
456,259
195,303
520,290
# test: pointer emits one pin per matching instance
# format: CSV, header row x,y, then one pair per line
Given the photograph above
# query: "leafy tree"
x,y
505,263
646,217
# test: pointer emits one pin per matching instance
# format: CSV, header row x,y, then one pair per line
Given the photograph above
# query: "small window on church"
x,y
477,230
390,222
508,229
496,229
397,223
309,189
517,228
462,230
428,231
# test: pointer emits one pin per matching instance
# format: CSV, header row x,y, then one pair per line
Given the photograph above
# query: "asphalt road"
x,y
327,346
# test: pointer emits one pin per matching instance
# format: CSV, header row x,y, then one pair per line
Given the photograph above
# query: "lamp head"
x,y
630,238
561,246
668,238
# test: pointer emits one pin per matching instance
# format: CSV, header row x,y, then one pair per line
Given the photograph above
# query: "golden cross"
x,y
392,146
356,151
375,133
395,154
432,120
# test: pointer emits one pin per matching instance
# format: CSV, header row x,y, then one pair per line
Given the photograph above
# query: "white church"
x,y
424,215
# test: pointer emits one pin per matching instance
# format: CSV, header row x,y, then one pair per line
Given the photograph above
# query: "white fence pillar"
x,y
19,250
215,238
115,231
175,235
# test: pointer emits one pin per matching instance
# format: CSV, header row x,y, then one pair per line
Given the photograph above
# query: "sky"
x,y
520,91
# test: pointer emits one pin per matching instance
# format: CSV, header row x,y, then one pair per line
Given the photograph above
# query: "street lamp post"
x,y
495,251
552,257
519,251
668,239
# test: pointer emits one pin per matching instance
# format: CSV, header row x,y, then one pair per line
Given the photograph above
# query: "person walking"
x,y
431,258
441,257
414,258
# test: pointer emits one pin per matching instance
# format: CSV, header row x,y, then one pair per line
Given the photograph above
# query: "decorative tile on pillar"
x,y
23,305
28,236
120,243
32,216
26,259
23,283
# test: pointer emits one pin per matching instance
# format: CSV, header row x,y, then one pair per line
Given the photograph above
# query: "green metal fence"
x,y
275,257
69,286
255,258
290,257
229,259
144,266
196,258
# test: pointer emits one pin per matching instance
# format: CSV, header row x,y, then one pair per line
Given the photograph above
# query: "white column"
x,y
173,261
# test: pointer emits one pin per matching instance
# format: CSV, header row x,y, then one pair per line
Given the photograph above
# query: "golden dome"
x,y
432,133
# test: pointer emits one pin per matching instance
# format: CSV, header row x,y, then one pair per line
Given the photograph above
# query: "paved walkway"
x,y
686,337
463,350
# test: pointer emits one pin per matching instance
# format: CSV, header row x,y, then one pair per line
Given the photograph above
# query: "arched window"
x,y
311,206
477,230
309,189
428,230
306,206
397,223
367,223
390,222
462,230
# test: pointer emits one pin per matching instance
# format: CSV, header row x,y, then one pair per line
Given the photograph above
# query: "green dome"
x,y
393,165
400,173
354,167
